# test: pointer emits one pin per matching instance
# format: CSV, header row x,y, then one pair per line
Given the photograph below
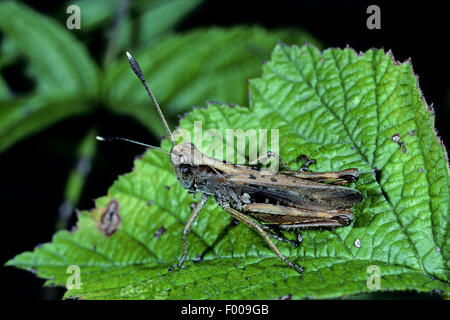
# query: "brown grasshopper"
x,y
285,200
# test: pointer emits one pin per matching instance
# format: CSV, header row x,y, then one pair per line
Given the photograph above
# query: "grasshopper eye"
x,y
183,168
176,157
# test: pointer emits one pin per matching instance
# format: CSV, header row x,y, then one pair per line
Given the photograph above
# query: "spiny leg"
x,y
252,224
187,228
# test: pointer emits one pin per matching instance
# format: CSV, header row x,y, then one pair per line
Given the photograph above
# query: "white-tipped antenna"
x,y
137,70
113,139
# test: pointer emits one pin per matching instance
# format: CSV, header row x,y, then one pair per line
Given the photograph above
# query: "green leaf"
x,y
76,180
22,117
159,16
139,23
151,17
338,107
59,63
95,13
150,21
4,90
64,74
188,69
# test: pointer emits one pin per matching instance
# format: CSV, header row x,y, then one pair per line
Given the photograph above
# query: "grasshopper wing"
x,y
293,191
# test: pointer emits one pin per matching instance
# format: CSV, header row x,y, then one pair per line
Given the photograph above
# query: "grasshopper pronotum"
x,y
285,200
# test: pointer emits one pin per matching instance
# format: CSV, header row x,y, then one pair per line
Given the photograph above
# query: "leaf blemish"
x,y
396,137
159,232
376,174
110,219
198,258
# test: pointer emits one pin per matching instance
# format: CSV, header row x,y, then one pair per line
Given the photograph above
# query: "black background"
x,y
34,171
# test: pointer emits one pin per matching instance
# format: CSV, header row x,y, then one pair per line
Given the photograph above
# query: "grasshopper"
x,y
264,202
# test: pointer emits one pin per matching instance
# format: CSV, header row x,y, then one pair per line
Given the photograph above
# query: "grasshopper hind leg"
x,y
255,226
275,233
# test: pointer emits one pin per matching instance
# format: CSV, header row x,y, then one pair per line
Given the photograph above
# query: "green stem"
x,y
77,178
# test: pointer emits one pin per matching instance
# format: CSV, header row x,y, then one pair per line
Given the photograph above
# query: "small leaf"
x,y
338,107
159,16
95,12
139,23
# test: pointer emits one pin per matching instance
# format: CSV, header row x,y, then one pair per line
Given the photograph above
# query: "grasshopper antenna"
x,y
137,70
114,139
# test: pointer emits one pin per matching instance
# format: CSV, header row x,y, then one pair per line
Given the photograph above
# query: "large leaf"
x,y
59,66
338,107
188,69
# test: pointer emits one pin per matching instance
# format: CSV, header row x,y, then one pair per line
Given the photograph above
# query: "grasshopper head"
x,y
184,158
185,154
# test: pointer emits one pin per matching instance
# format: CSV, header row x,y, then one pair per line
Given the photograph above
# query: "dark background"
x,y
34,171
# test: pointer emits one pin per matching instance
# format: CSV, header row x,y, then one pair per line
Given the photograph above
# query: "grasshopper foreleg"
x,y
252,224
186,230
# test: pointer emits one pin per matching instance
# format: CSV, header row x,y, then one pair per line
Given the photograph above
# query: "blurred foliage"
x,y
77,178
65,77
184,70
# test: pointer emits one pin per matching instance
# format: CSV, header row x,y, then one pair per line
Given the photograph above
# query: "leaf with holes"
x,y
341,108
